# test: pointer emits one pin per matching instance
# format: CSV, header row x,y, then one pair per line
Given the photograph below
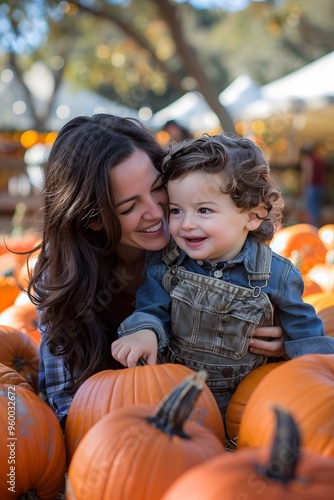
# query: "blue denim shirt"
x,y
304,330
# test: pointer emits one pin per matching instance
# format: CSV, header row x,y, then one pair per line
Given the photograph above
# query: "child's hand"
x,y
268,341
142,344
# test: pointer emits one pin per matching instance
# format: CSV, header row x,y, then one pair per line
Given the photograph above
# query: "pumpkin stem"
x,y
285,450
30,495
141,362
19,364
175,407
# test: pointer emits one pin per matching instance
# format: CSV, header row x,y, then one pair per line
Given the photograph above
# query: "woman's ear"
x,y
255,217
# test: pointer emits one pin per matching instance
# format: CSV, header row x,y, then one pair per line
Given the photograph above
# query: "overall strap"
x,y
171,255
262,268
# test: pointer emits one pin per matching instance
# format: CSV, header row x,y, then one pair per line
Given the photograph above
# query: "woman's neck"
x,y
129,267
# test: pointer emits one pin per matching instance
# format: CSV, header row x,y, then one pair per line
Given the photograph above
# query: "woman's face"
x,y
141,202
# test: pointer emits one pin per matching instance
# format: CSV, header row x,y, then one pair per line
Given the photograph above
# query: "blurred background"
x,y
259,69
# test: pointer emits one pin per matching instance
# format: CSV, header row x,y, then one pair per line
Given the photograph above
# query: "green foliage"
x,y
125,49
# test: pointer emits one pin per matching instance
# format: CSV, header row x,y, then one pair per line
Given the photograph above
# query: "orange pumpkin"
x,y
22,316
9,262
20,352
137,451
111,389
33,454
280,471
323,304
243,392
304,386
301,244
8,291
323,275
22,271
10,376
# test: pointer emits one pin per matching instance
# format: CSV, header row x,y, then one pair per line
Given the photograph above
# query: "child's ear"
x,y
253,218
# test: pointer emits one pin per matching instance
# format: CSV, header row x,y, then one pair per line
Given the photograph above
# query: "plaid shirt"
x,y
54,380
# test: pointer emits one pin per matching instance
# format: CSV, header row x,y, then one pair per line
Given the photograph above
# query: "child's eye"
x,y
129,210
204,210
174,211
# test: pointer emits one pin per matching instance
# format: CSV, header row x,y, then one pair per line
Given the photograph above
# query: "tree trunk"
x,y
192,67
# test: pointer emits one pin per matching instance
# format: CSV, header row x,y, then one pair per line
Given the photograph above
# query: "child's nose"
x,y
188,222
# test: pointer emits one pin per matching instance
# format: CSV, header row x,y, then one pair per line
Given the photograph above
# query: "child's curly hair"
x,y
245,174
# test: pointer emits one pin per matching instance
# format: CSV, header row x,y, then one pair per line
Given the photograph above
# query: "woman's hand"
x,y
142,344
268,341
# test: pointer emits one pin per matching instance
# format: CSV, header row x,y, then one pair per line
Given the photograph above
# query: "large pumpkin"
x,y
20,352
301,244
281,471
137,451
111,389
33,454
304,386
239,399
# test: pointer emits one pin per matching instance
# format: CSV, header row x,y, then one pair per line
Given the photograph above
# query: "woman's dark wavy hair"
x,y
75,262
245,174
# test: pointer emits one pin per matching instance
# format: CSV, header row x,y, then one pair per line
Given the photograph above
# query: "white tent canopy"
x,y
307,93
191,110
239,94
314,80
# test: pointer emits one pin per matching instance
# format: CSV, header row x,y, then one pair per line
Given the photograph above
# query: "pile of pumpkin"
x,y
155,432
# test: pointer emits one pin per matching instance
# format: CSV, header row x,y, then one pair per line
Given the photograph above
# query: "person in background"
x,y
201,305
312,182
176,131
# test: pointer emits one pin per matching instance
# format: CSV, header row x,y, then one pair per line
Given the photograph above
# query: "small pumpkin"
x,y
301,244
323,304
8,291
111,389
137,451
20,352
283,470
10,376
23,317
33,454
239,399
304,386
10,262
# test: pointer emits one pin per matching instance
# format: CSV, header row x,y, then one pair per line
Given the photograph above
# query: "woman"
x,y
105,205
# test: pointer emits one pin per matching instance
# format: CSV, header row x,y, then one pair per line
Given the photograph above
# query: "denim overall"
x,y
212,322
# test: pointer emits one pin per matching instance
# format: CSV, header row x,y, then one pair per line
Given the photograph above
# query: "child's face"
x,y
205,223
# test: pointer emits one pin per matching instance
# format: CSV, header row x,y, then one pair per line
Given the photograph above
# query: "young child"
x,y
200,306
